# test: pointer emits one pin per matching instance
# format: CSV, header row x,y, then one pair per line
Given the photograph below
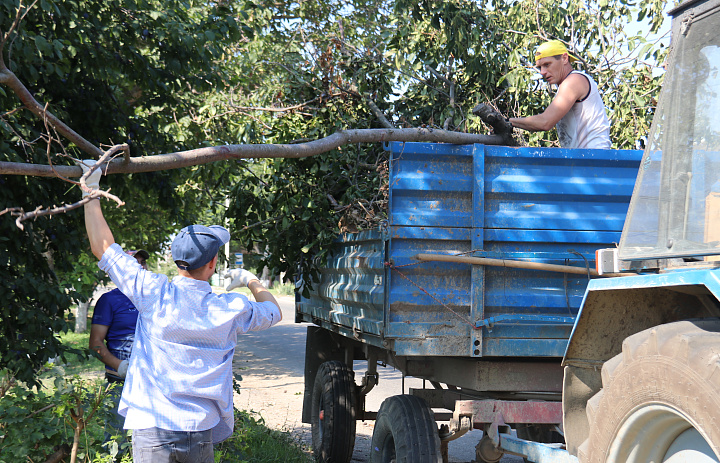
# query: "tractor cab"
x,y
675,208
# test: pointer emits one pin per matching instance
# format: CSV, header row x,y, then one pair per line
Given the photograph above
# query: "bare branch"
x,y
271,219
279,109
378,113
40,212
439,76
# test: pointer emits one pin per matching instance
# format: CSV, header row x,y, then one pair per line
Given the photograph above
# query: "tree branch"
x,y
8,78
40,212
378,113
228,152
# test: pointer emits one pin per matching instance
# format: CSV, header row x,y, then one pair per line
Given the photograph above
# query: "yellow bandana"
x,y
552,48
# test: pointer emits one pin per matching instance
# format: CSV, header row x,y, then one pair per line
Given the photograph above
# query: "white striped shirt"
x,y
180,372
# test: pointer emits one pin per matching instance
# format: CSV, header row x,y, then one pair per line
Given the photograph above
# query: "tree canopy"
x,y
169,76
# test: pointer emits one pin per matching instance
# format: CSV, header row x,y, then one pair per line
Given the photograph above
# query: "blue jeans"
x,y
155,445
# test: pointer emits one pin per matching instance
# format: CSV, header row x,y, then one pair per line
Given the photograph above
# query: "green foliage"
x,y
24,434
285,289
84,361
253,442
33,425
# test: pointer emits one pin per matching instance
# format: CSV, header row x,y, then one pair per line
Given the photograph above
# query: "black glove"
x,y
499,123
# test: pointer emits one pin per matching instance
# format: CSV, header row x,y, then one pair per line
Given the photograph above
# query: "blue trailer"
x,y
473,284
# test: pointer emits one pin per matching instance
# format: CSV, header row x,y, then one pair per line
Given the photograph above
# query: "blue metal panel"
x,y
543,205
431,186
558,189
350,293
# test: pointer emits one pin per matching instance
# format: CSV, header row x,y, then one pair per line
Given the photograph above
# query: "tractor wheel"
x,y
333,413
660,400
405,432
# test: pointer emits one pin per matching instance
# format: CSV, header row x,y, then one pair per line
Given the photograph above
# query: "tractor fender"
x,y
614,309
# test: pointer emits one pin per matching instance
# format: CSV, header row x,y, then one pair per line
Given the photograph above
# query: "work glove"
x,y
122,368
499,123
93,181
239,278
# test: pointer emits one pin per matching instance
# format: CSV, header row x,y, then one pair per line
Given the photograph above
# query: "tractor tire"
x,y
405,432
660,400
333,413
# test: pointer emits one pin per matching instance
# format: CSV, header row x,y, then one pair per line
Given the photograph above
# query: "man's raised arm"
x,y
97,228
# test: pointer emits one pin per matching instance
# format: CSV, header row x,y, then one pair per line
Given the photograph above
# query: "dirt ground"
x,y
278,397
271,365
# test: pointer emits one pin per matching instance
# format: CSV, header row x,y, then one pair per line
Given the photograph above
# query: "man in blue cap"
x,y
178,395
577,110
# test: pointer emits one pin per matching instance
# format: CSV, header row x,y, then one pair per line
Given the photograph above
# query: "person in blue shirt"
x,y
178,396
113,327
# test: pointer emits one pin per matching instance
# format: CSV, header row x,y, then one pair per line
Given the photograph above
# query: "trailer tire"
x,y
660,398
333,413
405,432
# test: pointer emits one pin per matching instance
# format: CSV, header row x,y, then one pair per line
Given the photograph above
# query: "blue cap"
x,y
196,245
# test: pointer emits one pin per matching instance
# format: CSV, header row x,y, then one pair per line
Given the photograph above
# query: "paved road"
x,y
271,364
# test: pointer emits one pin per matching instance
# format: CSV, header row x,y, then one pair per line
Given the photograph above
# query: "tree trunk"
x,y
81,316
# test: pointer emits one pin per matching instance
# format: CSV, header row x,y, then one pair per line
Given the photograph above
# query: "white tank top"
x,y
586,125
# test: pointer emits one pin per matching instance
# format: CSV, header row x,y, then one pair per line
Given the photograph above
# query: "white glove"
x,y
239,278
122,368
93,181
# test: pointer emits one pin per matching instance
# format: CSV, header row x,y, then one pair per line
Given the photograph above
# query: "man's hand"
x,y
239,278
93,181
499,123
122,368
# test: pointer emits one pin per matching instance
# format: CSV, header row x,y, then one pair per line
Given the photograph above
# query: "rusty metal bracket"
x,y
456,428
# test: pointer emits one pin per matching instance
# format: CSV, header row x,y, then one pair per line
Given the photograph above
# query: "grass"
x,y
253,442
77,365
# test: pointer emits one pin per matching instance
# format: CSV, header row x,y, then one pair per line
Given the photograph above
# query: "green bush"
x,y
35,424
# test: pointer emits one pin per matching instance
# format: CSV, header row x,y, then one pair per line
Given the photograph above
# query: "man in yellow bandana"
x,y
577,111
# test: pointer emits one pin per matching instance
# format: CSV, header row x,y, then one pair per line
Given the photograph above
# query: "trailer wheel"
x,y
333,413
660,399
405,432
